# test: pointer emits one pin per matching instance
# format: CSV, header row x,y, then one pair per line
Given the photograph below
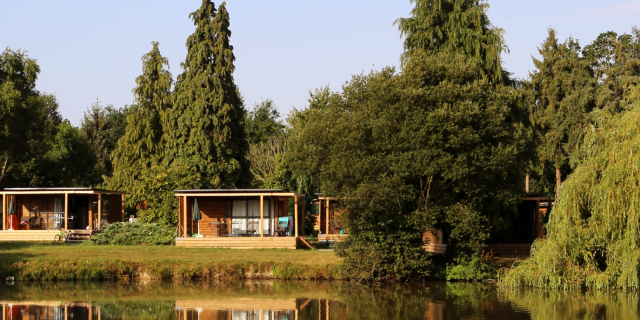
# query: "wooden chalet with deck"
x,y
40,213
240,219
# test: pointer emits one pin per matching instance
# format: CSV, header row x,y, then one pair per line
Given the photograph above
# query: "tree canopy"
x,y
141,146
436,145
594,230
455,27
561,94
205,130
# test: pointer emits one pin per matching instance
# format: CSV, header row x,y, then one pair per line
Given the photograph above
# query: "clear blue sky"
x,y
284,48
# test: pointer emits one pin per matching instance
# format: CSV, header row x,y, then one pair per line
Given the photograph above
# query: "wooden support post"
x,y
327,301
295,212
184,214
99,314
90,221
4,213
99,211
66,211
66,313
4,306
536,217
261,216
327,218
122,207
90,312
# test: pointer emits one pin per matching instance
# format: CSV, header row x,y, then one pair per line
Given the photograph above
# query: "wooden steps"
x,y
304,242
239,242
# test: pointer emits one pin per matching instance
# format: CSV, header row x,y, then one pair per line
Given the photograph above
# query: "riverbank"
x,y
53,261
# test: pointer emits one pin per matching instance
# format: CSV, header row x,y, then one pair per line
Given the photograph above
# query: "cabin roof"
x,y
76,190
234,193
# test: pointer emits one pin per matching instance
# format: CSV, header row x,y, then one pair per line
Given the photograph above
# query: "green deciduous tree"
x,y
28,120
455,27
616,64
438,145
70,161
141,146
206,130
103,127
561,94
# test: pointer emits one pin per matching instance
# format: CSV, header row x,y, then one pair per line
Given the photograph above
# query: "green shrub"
x,y
124,233
469,268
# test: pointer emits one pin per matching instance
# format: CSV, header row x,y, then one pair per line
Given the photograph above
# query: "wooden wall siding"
x,y
115,208
433,236
212,210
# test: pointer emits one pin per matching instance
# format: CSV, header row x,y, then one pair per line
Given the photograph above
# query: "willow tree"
x,y
561,93
455,27
593,235
141,145
205,128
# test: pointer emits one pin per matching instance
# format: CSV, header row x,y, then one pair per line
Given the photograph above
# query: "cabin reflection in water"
x,y
49,310
230,309
239,309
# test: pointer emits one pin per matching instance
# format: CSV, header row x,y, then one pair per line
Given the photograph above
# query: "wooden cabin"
x,y
240,218
41,212
328,221
533,212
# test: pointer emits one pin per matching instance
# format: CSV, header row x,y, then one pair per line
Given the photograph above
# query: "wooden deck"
x,y
239,242
28,235
509,250
332,237
436,248
44,235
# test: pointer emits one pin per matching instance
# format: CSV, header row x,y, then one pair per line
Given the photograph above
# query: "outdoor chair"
x,y
35,223
281,229
334,228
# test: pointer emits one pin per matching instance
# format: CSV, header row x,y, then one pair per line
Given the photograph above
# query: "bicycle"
x,y
60,237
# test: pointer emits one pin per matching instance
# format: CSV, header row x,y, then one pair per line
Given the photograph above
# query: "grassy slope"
x,y
49,261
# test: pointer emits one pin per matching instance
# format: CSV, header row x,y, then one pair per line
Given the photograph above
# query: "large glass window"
x,y
245,217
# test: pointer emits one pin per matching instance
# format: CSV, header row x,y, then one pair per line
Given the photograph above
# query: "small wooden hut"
x,y
328,221
41,212
240,218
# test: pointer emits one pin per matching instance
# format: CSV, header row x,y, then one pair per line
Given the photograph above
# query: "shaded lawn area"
x,y
16,251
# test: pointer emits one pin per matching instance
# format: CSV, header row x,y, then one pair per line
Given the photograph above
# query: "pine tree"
x,y
141,145
561,93
455,27
206,130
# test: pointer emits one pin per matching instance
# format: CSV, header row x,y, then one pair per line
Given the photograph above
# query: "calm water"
x,y
304,300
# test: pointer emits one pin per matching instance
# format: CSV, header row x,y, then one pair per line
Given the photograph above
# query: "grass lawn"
x,y
144,253
40,260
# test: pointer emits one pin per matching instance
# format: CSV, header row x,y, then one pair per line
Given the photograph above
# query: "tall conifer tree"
x,y
141,145
455,27
561,95
206,125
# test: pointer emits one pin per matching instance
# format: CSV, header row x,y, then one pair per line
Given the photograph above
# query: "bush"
x,y
125,233
469,268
